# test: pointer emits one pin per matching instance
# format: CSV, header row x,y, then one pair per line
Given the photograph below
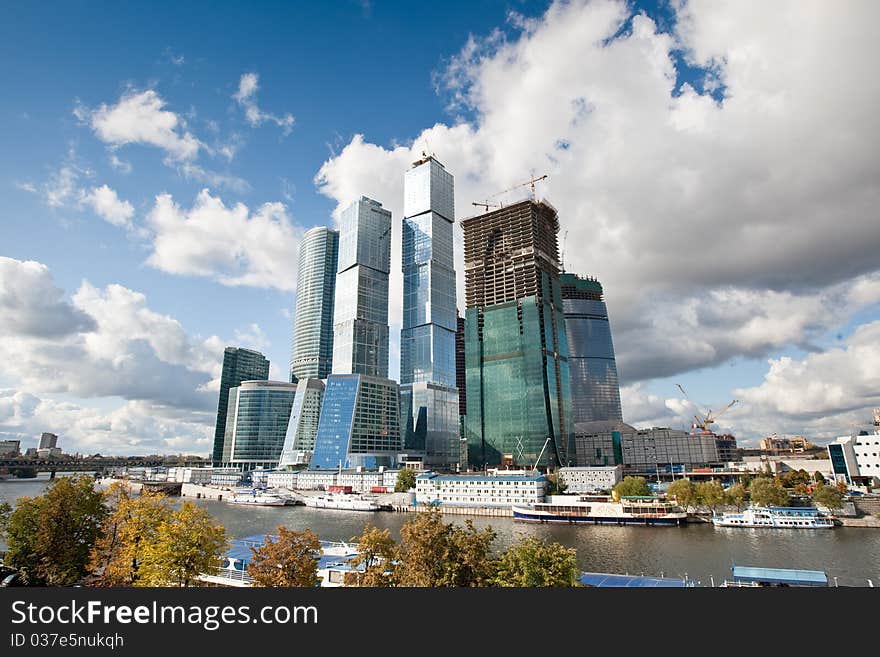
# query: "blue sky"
x,y
723,201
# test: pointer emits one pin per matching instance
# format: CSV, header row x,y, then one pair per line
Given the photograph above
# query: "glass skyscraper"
x,y
429,398
238,365
595,391
299,443
360,321
359,425
256,425
312,345
516,352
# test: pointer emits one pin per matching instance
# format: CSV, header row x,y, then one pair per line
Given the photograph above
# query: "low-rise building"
x,y
587,479
499,490
856,458
792,444
10,447
360,481
226,477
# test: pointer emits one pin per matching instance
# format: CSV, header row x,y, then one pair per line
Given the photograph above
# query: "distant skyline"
x,y
713,164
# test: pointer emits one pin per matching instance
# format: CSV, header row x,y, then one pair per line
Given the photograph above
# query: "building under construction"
x,y
516,354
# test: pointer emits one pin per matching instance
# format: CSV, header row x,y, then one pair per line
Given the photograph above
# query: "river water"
x,y
698,551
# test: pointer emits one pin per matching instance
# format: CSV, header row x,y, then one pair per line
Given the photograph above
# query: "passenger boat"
x,y
258,499
602,509
781,517
341,501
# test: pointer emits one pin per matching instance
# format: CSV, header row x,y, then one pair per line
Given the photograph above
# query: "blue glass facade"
x,y
238,365
299,443
333,438
258,422
595,391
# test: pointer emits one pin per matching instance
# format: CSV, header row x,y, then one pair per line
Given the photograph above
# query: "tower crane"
x,y
562,256
530,182
707,419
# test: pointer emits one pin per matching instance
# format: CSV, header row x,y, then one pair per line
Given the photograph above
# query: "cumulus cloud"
x,y
140,118
229,244
246,97
718,224
107,204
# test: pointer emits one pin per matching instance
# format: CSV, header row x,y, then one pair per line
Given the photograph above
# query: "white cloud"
x,y
229,244
252,337
26,187
120,165
62,186
246,97
107,204
213,178
717,228
139,118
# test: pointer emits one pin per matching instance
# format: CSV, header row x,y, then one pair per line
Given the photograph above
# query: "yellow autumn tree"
x,y
288,559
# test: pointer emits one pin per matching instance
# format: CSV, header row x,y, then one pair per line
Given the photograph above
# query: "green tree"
x,y
736,494
188,543
827,496
711,494
533,562
50,537
132,526
684,492
555,486
406,480
795,477
289,560
5,512
377,552
765,491
631,487
818,477
433,553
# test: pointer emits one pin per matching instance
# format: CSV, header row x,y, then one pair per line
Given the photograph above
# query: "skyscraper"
x,y
360,320
428,396
238,365
516,352
312,345
48,440
256,424
595,392
299,443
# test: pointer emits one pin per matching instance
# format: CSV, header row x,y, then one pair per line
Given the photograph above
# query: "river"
x,y
699,551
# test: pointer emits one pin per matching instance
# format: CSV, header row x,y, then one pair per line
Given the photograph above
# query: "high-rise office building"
x,y
48,440
256,424
516,352
299,443
460,371
312,345
428,397
359,425
360,319
595,391
238,365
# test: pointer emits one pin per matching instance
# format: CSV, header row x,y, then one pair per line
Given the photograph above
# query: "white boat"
x,y
342,501
258,499
777,517
602,509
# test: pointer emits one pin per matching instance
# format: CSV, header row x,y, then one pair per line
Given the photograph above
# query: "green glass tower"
x,y
238,365
516,352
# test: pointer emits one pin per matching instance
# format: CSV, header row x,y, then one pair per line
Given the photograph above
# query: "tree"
x,y
132,526
684,492
50,537
765,491
433,553
377,552
555,485
5,512
532,562
827,496
818,477
711,494
631,487
291,560
406,480
187,544
736,494
842,487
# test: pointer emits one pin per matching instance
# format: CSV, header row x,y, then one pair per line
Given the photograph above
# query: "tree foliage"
x,y
818,477
736,494
187,543
291,559
767,491
5,512
406,480
50,537
795,477
711,494
532,562
376,552
133,525
631,487
827,496
684,492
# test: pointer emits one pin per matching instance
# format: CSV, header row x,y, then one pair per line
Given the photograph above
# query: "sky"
x,y
714,165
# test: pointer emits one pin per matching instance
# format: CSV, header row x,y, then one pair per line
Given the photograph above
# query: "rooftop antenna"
x,y
562,257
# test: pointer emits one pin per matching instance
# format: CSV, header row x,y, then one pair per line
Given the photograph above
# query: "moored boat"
x,y
342,501
776,517
258,499
602,509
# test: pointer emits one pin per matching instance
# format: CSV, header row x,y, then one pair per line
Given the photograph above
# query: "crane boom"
x,y
530,182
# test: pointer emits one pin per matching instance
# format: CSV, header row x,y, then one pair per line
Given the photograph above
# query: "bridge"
x,y
91,464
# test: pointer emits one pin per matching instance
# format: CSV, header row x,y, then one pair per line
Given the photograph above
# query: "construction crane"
x,y
530,182
562,257
705,421
486,205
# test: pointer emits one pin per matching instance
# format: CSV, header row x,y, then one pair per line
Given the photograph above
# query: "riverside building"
x,y
428,395
516,353
256,424
238,365
299,442
499,490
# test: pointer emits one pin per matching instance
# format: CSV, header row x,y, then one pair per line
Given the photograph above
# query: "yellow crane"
x,y
705,421
530,182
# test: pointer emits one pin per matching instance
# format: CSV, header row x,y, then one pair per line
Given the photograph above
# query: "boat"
x,y
602,510
776,517
254,498
342,501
